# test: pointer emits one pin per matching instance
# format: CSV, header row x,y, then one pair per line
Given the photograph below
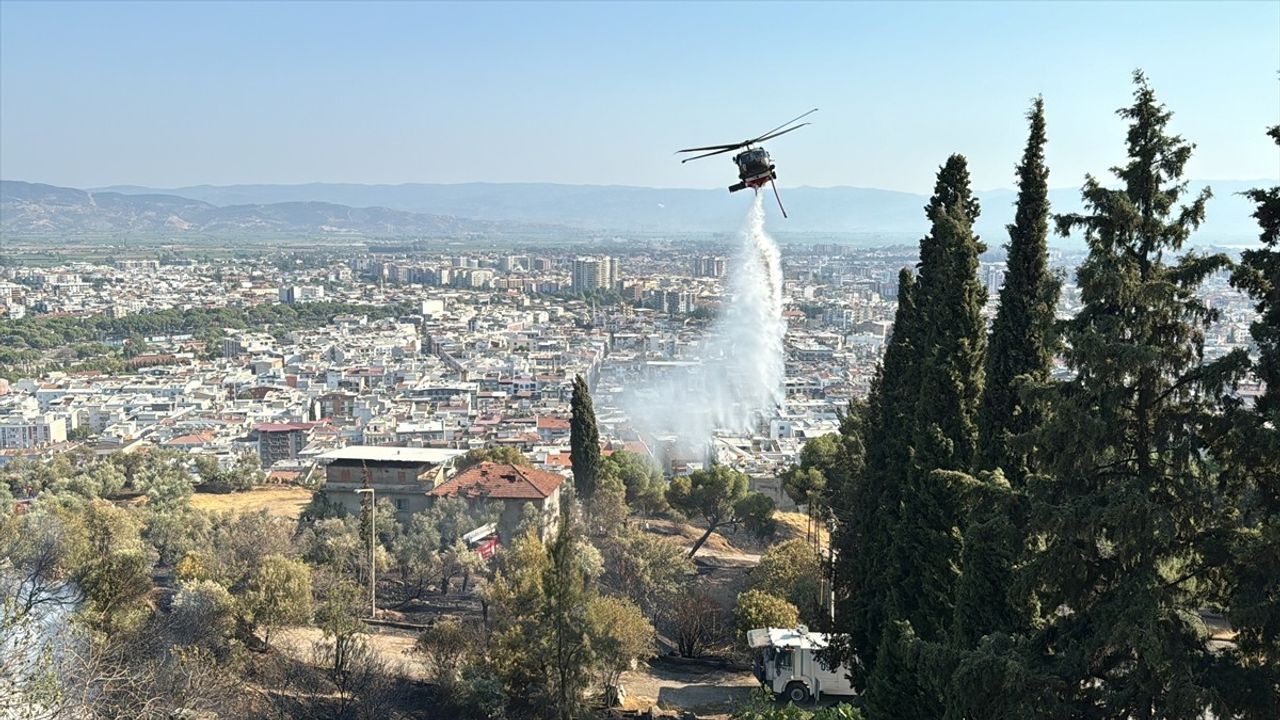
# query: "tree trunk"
x,y
710,529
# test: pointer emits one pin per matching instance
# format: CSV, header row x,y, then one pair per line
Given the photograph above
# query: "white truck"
x,y
786,660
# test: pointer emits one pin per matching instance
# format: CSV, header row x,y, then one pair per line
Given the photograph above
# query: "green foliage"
x,y
645,486
793,571
1133,525
899,688
759,609
203,614
22,340
584,440
647,569
504,455
868,510
620,635
113,566
430,547
447,648
1022,333
1254,461
761,706
540,645
985,595
174,532
606,511
952,333
276,593
720,496
245,474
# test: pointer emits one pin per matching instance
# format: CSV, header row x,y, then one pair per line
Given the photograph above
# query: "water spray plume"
x,y
738,379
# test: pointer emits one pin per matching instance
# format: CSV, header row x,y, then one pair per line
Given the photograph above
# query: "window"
x,y
784,659
345,475
401,476
401,504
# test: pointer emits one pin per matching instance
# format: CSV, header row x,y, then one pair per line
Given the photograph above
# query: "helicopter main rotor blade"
x,y
717,152
798,117
732,146
784,132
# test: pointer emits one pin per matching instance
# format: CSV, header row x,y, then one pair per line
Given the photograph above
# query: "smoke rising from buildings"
x,y
735,377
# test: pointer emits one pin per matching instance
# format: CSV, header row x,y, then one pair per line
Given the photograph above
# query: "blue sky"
x,y
188,93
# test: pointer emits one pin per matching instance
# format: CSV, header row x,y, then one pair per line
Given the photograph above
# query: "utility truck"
x,y
786,660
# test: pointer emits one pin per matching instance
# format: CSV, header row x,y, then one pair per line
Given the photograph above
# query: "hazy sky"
x,y
169,94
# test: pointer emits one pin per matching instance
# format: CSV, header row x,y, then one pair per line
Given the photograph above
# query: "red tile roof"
x,y
552,423
500,481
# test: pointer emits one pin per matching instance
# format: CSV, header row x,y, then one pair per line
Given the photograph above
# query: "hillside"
x,y
417,210
35,209
621,208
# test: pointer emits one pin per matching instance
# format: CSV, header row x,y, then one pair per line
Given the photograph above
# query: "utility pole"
x,y
373,587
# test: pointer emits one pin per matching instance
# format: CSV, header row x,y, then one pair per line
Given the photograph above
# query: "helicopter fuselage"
x,y
755,168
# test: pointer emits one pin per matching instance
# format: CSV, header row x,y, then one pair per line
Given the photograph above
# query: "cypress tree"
x,y
952,337
1129,518
983,598
866,510
1020,334
1019,348
952,330
584,440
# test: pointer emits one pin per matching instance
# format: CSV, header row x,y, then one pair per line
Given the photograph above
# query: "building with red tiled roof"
x,y
514,487
552,428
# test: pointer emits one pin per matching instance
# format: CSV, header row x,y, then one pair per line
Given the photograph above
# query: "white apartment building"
x,y
28,430
591,273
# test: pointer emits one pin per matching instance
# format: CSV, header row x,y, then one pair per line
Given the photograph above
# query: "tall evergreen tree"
x,y
866,507
1020,336
584,440
1129,521
952,337
1020,347
1254,459
952,331
568,591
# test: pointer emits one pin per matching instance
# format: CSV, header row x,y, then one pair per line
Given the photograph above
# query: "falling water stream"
x,y
739,378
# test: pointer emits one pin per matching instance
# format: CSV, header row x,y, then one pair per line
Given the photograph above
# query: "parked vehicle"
x,y
787,661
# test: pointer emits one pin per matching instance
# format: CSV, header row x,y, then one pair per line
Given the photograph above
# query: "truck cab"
x,y
786,660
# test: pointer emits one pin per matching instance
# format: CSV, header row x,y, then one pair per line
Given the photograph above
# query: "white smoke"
x,y
736,377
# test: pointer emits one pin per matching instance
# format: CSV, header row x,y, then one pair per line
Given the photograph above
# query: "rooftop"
x,y
379,453
797,637
500,481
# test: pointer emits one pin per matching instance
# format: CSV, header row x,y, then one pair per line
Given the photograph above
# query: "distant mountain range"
x,y
432,209
34,209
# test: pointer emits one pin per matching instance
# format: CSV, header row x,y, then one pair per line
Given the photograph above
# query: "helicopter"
x,y
755,167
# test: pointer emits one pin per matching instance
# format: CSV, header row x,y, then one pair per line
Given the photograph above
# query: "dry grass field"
x,y
793,525
279,501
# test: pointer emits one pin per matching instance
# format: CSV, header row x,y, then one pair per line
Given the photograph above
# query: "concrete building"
x,y
594,273
295,294
281,441
708,266
29,430
402,475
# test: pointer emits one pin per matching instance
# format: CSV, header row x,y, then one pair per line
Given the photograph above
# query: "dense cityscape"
x,y
470,351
